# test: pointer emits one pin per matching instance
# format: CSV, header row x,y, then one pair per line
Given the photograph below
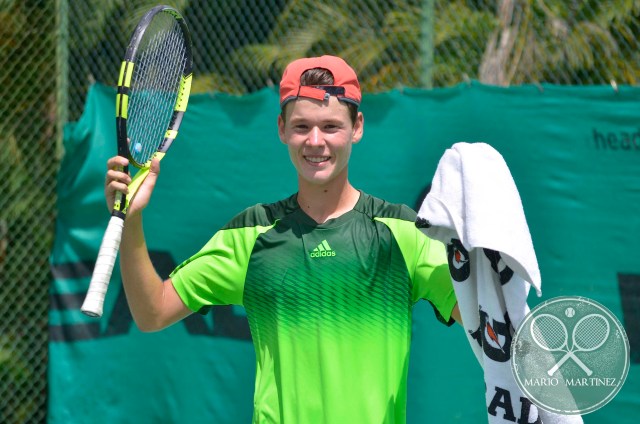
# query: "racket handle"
x,y
557,366
103,269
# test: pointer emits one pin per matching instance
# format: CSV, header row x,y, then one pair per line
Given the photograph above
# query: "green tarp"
x,y
574,153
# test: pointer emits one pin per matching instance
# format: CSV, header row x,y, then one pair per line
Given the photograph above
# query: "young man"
x,y
328,276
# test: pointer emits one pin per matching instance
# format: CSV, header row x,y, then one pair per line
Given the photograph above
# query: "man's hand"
x,y
118,181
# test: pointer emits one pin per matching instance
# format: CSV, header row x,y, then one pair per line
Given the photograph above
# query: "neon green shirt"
x,y
329,305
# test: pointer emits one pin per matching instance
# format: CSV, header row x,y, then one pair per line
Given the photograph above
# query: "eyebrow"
x,y
329,120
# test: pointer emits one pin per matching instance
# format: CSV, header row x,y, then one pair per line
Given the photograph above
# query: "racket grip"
x,y
557,366
94,301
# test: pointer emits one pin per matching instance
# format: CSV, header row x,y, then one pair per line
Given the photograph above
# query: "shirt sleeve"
x,y
426,261
432,280
216,274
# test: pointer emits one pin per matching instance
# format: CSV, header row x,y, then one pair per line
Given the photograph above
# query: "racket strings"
x,y
591,332
155,84
549,333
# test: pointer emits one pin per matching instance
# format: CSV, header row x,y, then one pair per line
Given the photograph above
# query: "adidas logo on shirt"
x,y
322,251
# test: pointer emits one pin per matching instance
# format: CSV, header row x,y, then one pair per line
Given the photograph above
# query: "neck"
x,y
322,203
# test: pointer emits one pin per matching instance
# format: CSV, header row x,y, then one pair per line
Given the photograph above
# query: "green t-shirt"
x,y
329,305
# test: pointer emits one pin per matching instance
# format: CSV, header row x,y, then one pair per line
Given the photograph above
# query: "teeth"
x,y
317,159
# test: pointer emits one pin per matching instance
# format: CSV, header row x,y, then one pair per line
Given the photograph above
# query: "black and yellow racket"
x,y
153,91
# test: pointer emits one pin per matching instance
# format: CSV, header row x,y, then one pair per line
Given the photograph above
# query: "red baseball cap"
x,y
345,81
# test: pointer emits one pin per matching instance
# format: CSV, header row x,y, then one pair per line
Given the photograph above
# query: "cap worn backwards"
x,y
345,81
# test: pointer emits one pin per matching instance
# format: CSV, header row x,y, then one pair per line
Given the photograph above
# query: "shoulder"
x,y
398,217
263,214
379,208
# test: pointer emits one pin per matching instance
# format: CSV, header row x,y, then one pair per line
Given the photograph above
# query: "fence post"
x,y
426,44
62,65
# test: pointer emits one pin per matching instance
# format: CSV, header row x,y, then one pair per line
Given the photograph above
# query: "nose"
x,y
316,137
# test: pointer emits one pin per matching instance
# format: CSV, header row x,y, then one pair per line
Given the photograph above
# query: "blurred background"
x,y
52,51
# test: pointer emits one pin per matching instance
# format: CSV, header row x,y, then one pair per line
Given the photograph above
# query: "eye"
x,y
331,127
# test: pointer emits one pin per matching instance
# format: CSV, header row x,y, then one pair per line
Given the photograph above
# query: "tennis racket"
x,y
589,334
153,91
550,333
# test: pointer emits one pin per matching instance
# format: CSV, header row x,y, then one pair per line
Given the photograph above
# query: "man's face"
x,y
319,136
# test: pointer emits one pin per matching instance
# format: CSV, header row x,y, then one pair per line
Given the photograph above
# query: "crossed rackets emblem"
x,y
589,334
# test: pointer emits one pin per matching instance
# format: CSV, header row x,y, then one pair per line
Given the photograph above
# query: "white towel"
x,y
474,194
475,209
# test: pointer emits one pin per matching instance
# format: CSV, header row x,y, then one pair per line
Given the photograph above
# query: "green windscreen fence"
x,y
574,153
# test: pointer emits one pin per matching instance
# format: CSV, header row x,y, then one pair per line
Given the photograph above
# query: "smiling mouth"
x,y
317,159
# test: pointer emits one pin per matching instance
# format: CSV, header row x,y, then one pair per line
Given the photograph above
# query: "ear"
x,y
281,128
358,128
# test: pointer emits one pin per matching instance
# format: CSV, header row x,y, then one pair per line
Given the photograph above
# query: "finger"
x,y
154,171
116,175
117,162
155,166
118,186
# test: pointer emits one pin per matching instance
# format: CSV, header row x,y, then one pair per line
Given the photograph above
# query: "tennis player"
x,y
328,276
